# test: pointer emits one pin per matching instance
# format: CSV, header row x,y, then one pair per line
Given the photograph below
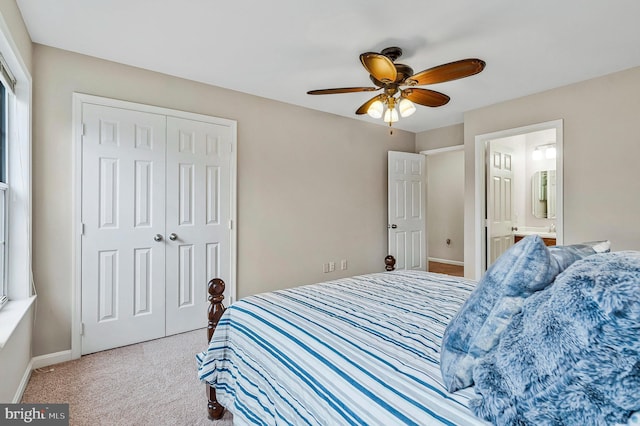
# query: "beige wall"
x,y
13,18
440,138
311,185
601,152
445,206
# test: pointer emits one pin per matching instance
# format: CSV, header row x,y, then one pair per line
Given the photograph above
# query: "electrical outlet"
x,y
343,264
332,266
325,267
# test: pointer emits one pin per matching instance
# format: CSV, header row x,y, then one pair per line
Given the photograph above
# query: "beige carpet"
x,y
151,383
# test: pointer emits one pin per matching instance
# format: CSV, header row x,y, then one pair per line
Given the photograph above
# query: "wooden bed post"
x,y
390,263
216,309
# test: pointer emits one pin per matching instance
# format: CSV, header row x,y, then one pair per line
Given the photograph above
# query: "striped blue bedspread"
x,y
362,350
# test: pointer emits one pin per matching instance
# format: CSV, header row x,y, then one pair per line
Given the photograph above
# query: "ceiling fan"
x,y
398,83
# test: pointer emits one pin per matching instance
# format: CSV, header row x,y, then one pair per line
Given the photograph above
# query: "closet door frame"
x,y
77,133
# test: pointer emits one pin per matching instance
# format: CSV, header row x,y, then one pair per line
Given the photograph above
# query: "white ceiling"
x,y
280,49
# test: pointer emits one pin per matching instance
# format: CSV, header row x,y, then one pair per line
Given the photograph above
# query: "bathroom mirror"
x,y
543,194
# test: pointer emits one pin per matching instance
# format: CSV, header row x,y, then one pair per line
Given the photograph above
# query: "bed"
x,y
367,349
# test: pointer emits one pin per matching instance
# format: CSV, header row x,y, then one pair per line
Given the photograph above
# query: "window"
x,y
4,189
3,195
16,287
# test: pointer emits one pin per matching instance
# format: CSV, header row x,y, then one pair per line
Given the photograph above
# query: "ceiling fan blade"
x,y
365,106
379,66
425,97
342,90
447,72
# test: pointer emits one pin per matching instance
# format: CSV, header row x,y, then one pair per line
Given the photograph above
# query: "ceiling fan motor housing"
x,y
392,53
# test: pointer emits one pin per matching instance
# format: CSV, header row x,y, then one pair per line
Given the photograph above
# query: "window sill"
x,y
11,315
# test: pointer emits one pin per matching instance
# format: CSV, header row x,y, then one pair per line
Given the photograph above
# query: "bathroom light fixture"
x,y
549,151
536,155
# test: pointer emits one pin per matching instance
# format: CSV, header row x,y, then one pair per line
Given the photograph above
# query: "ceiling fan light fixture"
x,y
406,108
375,109
390,115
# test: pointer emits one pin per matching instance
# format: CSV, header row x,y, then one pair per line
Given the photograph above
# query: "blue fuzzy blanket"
x,y
572,355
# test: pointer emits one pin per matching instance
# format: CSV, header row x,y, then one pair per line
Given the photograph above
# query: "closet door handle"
x,y
157,238
173,236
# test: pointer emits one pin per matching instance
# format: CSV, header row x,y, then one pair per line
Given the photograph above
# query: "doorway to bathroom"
x,y
521,188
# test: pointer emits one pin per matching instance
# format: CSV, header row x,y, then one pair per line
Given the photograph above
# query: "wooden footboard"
x,y
216,309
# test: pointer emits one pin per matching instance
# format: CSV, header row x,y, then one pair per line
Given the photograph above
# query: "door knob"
x,y
157,238
394,226
173,236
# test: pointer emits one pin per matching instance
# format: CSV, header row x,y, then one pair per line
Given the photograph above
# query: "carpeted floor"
x,y
150,383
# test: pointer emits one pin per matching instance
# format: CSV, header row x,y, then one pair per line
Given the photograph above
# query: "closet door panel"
x,y
123,209
198,217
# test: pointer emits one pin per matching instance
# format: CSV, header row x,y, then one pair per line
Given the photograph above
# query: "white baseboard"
x,y
50,359
23,383
447,261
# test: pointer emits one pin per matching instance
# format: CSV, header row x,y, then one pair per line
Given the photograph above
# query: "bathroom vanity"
x,y
549,241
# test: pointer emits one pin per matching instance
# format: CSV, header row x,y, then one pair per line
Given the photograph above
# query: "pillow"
x,y
572,355
526,267
566,255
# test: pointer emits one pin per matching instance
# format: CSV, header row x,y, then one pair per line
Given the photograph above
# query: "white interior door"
x,y
500,213
123,199
407,210
198,218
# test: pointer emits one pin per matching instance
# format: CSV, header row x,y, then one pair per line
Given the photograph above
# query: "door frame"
x,y
481,185
77,229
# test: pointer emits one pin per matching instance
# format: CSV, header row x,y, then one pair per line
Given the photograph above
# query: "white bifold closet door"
x,y
156,223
